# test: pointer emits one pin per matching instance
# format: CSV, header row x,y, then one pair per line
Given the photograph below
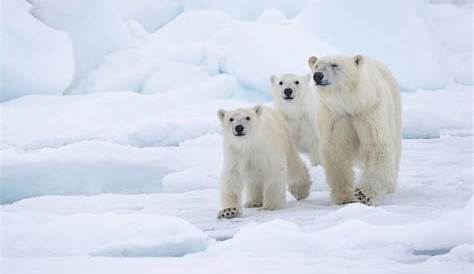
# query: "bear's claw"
x,y
362,197
228,213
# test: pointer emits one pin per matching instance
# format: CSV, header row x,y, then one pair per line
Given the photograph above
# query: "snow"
x,y
244,45
248,10
135,235
121,174
452,24
222,265
26,46
192,26
161,134
425,227
95,167
122,70
120,45
277,237
94,27
169,77
375,29
430,114
149,13
186,180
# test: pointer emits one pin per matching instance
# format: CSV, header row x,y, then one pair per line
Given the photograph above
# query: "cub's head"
x,y
336,71
240,123
289,88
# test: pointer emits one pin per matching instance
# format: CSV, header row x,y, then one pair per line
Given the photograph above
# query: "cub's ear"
x,y
358,59
221,114
312,61
258,109
273,79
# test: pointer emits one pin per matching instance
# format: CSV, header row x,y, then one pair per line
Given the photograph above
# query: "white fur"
x,y
300,112
359,119
260,163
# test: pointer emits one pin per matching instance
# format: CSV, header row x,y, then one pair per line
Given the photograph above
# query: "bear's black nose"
x,y
287,92
239,128
317,77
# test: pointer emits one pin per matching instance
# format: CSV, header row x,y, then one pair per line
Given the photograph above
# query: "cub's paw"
x,y
228,213
299,191
253,204
362,197
274,205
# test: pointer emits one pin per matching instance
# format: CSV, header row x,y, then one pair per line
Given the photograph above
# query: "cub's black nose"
x,y
239,128
318,77
287,92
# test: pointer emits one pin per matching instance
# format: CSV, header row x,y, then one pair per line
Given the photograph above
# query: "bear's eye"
x,y
247,118
280,83
231,119
297,82
334,65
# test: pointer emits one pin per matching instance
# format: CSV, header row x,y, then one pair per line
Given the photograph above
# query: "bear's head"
x,y
336,71
289,89
342,82
240,124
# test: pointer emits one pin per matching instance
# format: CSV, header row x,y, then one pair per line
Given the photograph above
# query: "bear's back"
x,y
274,124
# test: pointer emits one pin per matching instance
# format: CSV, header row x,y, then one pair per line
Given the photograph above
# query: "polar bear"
x,y
295,98
260,159
359,119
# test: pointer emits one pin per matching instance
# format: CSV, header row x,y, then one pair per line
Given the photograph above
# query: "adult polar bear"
x,y
359,118
259,158
294,97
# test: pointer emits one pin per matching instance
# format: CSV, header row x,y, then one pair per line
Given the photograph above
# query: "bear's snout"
x,y
239,130
318,77
288,92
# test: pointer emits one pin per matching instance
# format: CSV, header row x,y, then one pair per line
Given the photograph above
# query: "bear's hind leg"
x,y
299,182
274,192
254,193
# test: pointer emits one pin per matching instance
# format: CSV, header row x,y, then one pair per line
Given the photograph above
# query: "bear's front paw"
x,y
228,213
343,198
362,197
253,204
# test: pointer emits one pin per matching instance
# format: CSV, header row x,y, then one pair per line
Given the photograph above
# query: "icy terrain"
x,y
111,147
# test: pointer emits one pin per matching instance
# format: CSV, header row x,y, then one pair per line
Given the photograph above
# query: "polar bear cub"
x,y
294,96
359,118
260,159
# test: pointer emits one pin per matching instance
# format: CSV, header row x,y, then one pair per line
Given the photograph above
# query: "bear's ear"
x,y
312,61
273,79
258,109
358,59
221,114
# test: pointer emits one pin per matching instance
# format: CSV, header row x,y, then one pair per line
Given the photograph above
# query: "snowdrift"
x,y
115,45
